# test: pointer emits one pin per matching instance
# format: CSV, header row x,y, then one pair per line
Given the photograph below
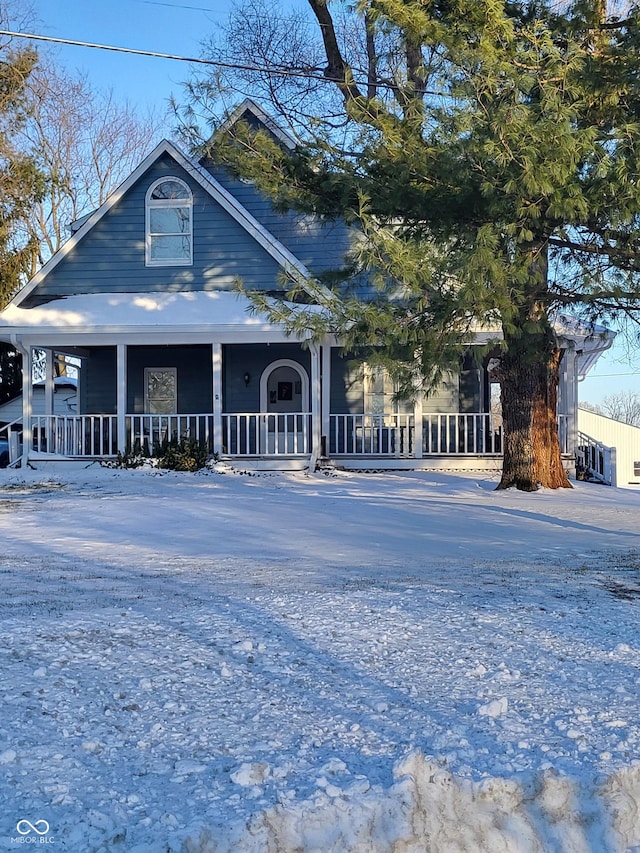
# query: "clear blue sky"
x,y
165,27
175,27
616,371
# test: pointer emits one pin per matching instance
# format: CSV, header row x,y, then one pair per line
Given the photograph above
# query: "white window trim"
x,y
151,203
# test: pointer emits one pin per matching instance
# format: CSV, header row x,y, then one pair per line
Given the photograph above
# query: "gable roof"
x,y
209,184
251,109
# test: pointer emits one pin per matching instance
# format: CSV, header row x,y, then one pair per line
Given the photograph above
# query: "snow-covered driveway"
x,y
357,662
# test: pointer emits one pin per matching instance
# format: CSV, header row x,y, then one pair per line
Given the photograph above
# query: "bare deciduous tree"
x,y
85,142
623,406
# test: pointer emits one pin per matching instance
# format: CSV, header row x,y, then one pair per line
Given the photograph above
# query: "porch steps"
x,y
595,462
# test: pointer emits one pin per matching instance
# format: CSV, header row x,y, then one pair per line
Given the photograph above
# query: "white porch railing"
x,y
12,434
75,435
461,434
96,436
266,434
451,434
371,435
257,434
150,431
595,460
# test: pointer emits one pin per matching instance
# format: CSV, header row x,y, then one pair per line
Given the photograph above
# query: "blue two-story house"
x,y
143,297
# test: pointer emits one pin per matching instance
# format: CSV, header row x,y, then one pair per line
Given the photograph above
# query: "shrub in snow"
x,y
182,454
134,457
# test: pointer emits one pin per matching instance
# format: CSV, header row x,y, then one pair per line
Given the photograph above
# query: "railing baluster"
x,y
445,434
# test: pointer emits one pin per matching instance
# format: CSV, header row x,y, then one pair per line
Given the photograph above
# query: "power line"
x,y
284,72
609,375
236,66
177,6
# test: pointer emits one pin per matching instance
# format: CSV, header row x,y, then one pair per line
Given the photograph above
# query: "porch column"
x,y
570,398
27,404
48,382
216,355
48,401
326,395
417,418
121,398
316,405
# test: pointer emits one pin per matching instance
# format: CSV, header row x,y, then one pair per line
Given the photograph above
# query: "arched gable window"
x,y
169,238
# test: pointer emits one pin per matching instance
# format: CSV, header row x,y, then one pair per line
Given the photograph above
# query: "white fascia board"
x,y
250,106
228,202
176,335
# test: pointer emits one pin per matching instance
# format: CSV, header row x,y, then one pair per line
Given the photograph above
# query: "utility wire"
x,y
606,375
236,66
177,6
318,76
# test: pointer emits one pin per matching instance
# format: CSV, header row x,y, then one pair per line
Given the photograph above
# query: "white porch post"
x,y
326,395
27,404
316,405
570,397
48,382
216,355
48,400
121,397
417,418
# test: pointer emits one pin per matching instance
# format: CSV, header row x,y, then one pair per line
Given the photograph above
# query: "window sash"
x,y
169,220
169,226
161,390
170,247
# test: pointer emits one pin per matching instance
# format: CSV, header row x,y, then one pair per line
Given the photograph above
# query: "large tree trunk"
x,y
529,376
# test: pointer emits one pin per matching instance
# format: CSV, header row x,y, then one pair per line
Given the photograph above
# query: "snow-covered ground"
x,y
346,662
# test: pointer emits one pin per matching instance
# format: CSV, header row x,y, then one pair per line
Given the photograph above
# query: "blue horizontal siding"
x,y
111,256
253,359
458,392
320,245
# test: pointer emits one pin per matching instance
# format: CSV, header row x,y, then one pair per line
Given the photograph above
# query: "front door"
x,y
284,390
284,396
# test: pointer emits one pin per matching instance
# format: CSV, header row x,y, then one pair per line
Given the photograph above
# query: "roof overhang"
x,y
587,340
139,318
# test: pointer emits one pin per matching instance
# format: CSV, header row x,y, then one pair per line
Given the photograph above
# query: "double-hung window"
x,y
169,239
379,392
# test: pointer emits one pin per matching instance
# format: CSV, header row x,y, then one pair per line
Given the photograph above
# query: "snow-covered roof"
x,y
208,311
591,340
120,311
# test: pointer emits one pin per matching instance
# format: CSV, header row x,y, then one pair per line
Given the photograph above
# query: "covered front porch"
x,y
201,367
